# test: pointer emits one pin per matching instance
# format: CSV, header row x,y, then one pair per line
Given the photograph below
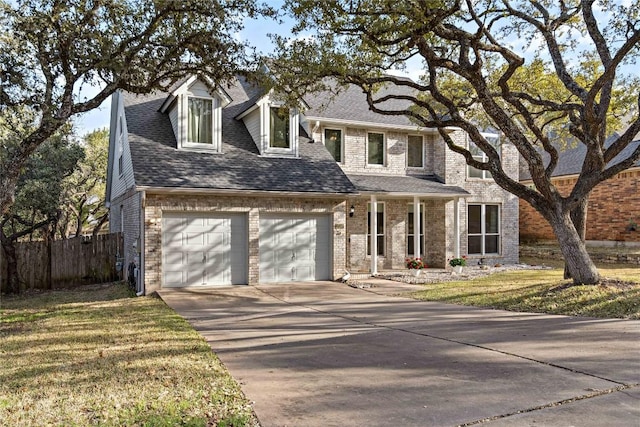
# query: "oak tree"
x,y
543,73
59,58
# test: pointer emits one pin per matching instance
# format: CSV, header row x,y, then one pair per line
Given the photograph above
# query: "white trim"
x,y
376,125
216,129
184,87
384,150
372,242
456,228
342,137
422,152
266,98
483,232
418,216
448,196
230,192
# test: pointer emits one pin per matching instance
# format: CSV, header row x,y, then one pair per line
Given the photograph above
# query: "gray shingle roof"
x,y
571,159
415,184
158,163
351,104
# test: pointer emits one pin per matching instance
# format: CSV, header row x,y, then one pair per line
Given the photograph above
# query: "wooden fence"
x,y
65,263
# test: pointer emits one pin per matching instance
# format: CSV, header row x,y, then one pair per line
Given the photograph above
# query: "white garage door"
x,y
204,250
294,247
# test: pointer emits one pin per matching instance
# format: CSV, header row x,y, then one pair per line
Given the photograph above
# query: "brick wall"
x,y
612,205
483,191
355,152
395,251
253,207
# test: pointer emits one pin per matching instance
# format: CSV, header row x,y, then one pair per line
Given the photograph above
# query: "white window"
x,y
415,151
199,120
375,148
479,155
333,143
483,222
379,230
279,128
411,234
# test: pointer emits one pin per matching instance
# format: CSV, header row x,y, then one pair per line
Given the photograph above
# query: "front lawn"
x,y
545,291
97,356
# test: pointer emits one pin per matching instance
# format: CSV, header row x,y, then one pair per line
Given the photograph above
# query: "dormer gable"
x,y
195,110
273,126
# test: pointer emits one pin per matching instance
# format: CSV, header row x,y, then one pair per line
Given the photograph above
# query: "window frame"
x,y
482,157
211,142
483,234
288,136
384,150
324,142
381,247
421,233
422,152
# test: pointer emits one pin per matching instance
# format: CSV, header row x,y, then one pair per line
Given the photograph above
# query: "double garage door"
x,y
212,249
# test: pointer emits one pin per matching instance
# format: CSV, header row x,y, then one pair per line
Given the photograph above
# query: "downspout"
x,y
141,268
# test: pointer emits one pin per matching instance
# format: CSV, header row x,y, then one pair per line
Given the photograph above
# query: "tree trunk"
x,y
100,224
577,259
579,219
13,280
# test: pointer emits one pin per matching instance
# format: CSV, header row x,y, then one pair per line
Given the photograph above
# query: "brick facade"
x,y
252,206
613,206
483,191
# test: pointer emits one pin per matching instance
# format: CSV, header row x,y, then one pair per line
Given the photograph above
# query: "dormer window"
x,y
274,127
279,135
199,121
195,111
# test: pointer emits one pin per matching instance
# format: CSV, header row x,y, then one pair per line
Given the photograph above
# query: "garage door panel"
x,y
204,249
294,247
175,258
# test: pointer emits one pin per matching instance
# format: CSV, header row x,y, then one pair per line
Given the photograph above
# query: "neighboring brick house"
x,y
224,186
613,211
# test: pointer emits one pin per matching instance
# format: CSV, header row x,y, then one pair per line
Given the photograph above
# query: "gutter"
x,y
230,192
375,125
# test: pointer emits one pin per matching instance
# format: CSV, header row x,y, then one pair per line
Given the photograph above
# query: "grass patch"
x,y
97,356
544,291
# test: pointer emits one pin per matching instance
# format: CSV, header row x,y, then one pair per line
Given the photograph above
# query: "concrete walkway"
x,y
326,354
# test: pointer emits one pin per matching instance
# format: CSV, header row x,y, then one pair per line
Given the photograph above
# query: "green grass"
x,y
97,356
544,291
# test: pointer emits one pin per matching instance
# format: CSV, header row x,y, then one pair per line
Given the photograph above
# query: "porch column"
x,y
416,227
373,232
456,227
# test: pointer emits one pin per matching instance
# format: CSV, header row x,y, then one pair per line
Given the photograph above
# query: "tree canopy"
x,y
542,73
82,199
61,58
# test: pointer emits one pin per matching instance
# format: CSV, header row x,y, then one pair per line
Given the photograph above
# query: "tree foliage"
x,y
82,200
61,58
38,200
540,72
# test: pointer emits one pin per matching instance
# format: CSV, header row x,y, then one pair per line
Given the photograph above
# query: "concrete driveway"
x,y
325,354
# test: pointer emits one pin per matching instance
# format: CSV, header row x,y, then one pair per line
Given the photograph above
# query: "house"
x,y
613,209
222,185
